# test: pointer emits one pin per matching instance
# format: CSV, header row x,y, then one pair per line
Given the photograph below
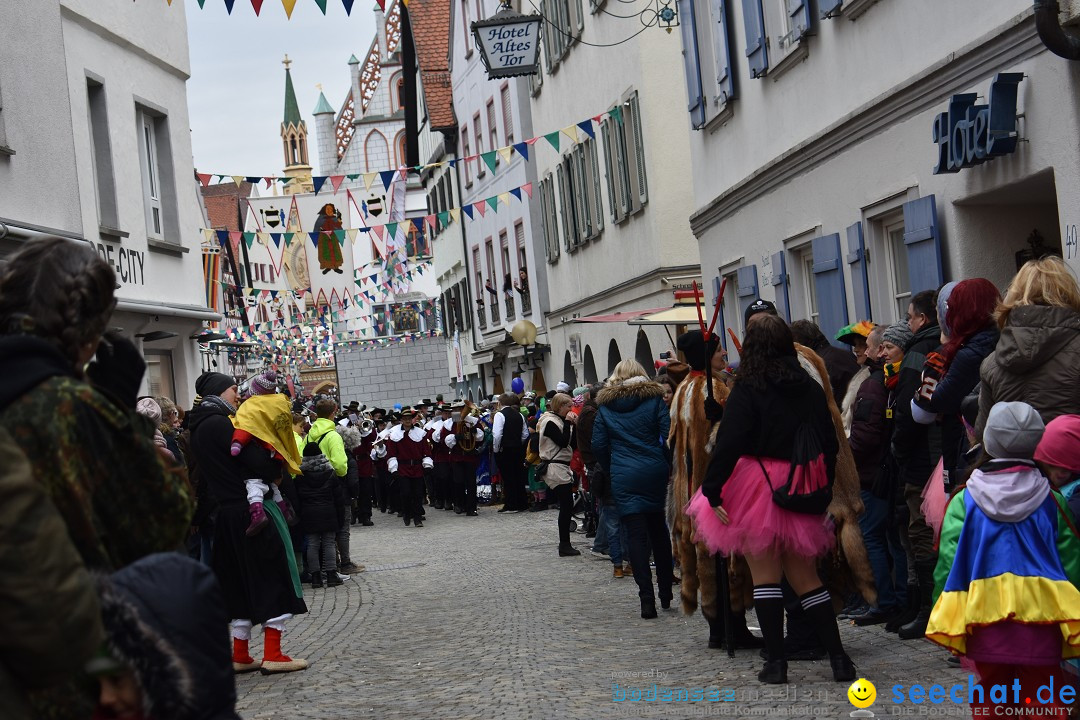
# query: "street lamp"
x,y
509,42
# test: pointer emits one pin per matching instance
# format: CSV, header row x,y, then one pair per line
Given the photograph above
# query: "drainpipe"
x,y
1052,34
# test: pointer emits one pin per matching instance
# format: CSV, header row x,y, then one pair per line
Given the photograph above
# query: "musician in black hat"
x,y
408,455
465,439
444,481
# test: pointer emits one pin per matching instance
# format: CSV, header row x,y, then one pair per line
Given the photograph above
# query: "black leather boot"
x,y
568,550
648,608
917,627
774,672
907,613
316,579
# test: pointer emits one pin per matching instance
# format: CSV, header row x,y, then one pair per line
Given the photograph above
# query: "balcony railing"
x,y
481,316
509,300
526,304
495,312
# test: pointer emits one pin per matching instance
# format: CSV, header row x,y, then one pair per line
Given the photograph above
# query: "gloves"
x,y
380,452
391,465
471,420
428,463
932,372
714,411
451,441
117,370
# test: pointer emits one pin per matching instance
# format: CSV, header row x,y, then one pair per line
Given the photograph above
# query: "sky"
x,y
236,94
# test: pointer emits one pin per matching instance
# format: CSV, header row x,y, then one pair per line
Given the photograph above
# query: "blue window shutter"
x,y
829,8
725,79
923,241
747,290
692,63
860,279
801,19
754,22
829,281
780,284
722,330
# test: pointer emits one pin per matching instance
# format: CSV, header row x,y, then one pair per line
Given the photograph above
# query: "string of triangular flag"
x,y
290,5
490,159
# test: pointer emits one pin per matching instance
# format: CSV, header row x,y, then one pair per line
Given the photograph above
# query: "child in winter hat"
x,y
1059,456
1006,539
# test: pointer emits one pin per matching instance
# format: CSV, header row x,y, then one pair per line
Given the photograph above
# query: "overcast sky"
x,y
236,94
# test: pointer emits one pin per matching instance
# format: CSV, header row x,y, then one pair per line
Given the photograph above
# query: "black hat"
x,y
407,412
692,345
426,403
378,411
213,383
354,405
758,306
444,406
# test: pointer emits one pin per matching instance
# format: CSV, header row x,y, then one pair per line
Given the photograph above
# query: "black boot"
x,y
648,608
774,672
769,605
316,579
332,579
907,613
819,612
740,633
568,550
917,627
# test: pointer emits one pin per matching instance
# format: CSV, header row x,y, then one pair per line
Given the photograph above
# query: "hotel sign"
x,y
969,134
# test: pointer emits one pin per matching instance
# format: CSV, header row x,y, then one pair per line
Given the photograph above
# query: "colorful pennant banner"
x,y
290,5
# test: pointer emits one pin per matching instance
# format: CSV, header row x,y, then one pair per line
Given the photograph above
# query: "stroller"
x,y
584,514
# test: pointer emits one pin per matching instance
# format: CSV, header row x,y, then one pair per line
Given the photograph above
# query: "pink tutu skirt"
x,y
757,525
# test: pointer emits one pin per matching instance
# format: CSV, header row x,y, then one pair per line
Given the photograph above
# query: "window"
x,y
786,23
579,193
461,296
707,58
565,23
399,93
507,276
4,149
159,374
407,318
159,193
624,157
479,134
508,115
465,153
376,152
519,239
478,287
491,288
101,152
465,27
896,254
493,128
401,148
806,263
549,218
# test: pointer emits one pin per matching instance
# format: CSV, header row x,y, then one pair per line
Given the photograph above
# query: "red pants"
x,y
1031,678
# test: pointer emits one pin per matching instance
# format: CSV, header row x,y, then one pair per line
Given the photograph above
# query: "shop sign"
x,y
509,43
969,134
129,264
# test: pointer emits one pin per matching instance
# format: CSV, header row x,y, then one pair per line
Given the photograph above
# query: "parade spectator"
x,y
917,449
632,423
1037,359
322,499
350,491
51,622
149,409
840,364
1006,593
1058,456
556,443
257,573
166,656
170,427
774,405
322,433
871,431
856,335
609,533
509,435
365,470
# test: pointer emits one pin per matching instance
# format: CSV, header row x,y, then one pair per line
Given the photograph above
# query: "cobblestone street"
x,y
479,618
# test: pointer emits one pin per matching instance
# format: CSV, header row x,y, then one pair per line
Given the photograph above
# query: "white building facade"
x,y
95,146
503,262
841,166
614,228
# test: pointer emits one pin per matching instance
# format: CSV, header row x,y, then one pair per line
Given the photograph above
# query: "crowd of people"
x,y
927,481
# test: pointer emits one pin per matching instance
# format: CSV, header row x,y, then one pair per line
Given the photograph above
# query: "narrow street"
x,y
479,618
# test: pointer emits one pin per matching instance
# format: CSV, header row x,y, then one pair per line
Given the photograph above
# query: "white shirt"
x,y
497,431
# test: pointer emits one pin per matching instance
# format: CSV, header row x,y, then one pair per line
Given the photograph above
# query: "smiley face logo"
x,y
862,693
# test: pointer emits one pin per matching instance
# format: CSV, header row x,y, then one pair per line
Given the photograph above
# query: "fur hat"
x,y
1013,430
264,384
693,346
899,334
1060,442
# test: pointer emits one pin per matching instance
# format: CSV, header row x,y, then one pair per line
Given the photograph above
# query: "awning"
x,y
482,358
678,315
618,317
149,307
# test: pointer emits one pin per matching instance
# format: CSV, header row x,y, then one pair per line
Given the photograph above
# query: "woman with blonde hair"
x,y
557,443
631,425
1037,358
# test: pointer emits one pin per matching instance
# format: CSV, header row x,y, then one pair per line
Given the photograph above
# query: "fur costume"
x,y
692,439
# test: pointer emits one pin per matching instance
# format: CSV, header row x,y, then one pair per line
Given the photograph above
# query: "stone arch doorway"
x,y
569,375
643,352
590,367
614,357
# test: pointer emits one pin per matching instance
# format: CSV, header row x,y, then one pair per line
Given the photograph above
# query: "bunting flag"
x,y
522,149
489,159
586,126
504,153
553,138
571,132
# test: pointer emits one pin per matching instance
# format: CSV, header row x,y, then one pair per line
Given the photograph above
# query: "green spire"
x,y
323,106
354,61
292,110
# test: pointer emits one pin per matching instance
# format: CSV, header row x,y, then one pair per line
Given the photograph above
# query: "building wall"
x,y
402,373
867,148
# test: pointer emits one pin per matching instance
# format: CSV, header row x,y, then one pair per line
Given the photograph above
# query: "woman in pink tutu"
x,y
775,411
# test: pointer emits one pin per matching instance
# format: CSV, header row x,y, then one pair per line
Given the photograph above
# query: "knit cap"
x,y
1060,444
899,334
562,387
943,305
264,384
148,407
1013,430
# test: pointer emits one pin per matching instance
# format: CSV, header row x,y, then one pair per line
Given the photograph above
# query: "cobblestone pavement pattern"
x,y
479,618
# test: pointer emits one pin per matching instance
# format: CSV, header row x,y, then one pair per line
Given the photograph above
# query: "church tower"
x,y
294,140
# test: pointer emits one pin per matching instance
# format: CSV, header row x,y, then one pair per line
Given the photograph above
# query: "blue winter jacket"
x,y
627,439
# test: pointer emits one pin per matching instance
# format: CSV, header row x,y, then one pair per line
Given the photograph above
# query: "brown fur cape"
x,y
691,439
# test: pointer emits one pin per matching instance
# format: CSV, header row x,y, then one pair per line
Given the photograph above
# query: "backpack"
x,y
808,489
532,450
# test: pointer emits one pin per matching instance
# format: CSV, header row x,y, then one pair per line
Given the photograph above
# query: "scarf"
x,y
217,402
892,375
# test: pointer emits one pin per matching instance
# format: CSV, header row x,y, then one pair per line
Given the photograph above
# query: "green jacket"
x,y
48,604
322,432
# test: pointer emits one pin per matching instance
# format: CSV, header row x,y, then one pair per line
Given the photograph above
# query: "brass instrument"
x,y
367,425
466,435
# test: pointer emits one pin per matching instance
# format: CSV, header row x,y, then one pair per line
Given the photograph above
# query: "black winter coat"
x,y
223,473
321,496
763,423
917,448
870,428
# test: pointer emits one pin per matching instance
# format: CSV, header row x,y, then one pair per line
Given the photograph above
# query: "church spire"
x,y
294,139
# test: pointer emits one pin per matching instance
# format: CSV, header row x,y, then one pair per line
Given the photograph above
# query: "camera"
x,y
665,355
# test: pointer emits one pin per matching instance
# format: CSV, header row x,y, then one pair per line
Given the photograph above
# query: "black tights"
x,y
565,495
